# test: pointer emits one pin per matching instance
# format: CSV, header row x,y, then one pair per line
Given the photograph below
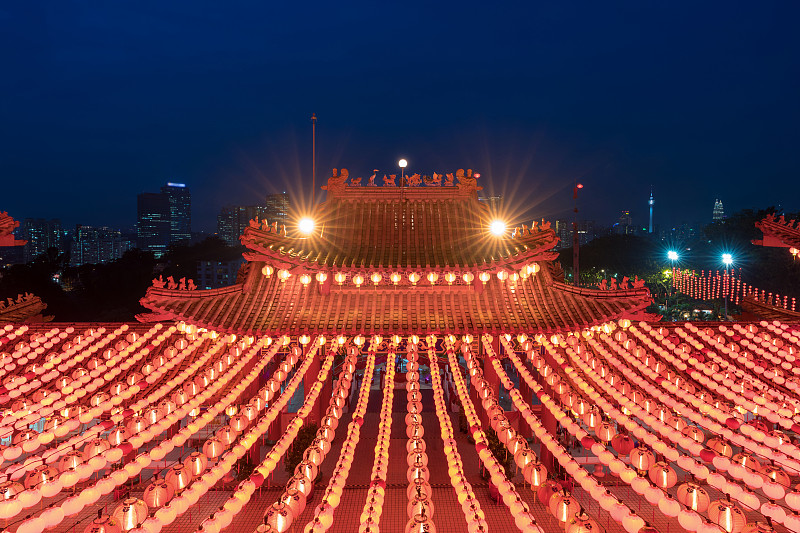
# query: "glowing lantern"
x,y
564,507
642,459
40,476
484,277
321,277
279,516
727,515
358,280
694,497
103,524
662,475
158,493
376,278
284,274
340,277
449,277
433,277
305,279
179,477
468,277
196,463
502,275
130,513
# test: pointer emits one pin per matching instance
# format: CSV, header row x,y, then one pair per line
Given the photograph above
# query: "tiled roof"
x,y
769,312
267,305
779,232
27,308
393,228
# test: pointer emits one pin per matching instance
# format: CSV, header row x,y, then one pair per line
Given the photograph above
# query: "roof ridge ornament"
x,y
467,180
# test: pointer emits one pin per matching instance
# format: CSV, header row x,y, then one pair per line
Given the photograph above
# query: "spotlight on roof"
x,y
497,227
672,255
305,225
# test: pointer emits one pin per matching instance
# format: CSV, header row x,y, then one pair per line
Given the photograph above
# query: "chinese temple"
x,y
400,361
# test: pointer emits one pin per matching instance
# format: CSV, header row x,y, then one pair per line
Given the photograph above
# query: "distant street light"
x,y
727,259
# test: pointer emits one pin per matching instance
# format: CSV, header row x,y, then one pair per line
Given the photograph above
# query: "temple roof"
x,y
778,232
25,308
766,311
7,226
394,260
406,228
267,305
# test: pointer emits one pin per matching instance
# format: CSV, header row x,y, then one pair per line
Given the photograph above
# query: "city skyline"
x,y
534,97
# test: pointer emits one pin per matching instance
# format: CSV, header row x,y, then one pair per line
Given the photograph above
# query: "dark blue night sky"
x,y
102,100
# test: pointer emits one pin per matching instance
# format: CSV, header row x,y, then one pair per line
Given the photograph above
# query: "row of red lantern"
x,y
724,424
190,480
743,366
661,474
65,425
745,399
771,480
419,508
559,500
748,499
57,426
91,494
560,504
726,432
709,285
395,278
785,372
526,460
27,354
370,518
323,513
473,514
184,478
292,501
23,383
523,518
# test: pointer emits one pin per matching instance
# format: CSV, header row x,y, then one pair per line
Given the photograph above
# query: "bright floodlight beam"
x,y
727,259
305,225
497,227
672,255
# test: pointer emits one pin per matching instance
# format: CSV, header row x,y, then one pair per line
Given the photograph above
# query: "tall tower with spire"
x,y
718,215
651,202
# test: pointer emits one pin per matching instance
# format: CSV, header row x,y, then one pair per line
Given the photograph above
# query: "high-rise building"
x,y
94,245
216,274
278,208
586,232
624,225
153,227
41,234
180,211
233,219
718,215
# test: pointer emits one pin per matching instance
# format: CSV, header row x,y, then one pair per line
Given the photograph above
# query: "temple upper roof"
x,y
402,228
